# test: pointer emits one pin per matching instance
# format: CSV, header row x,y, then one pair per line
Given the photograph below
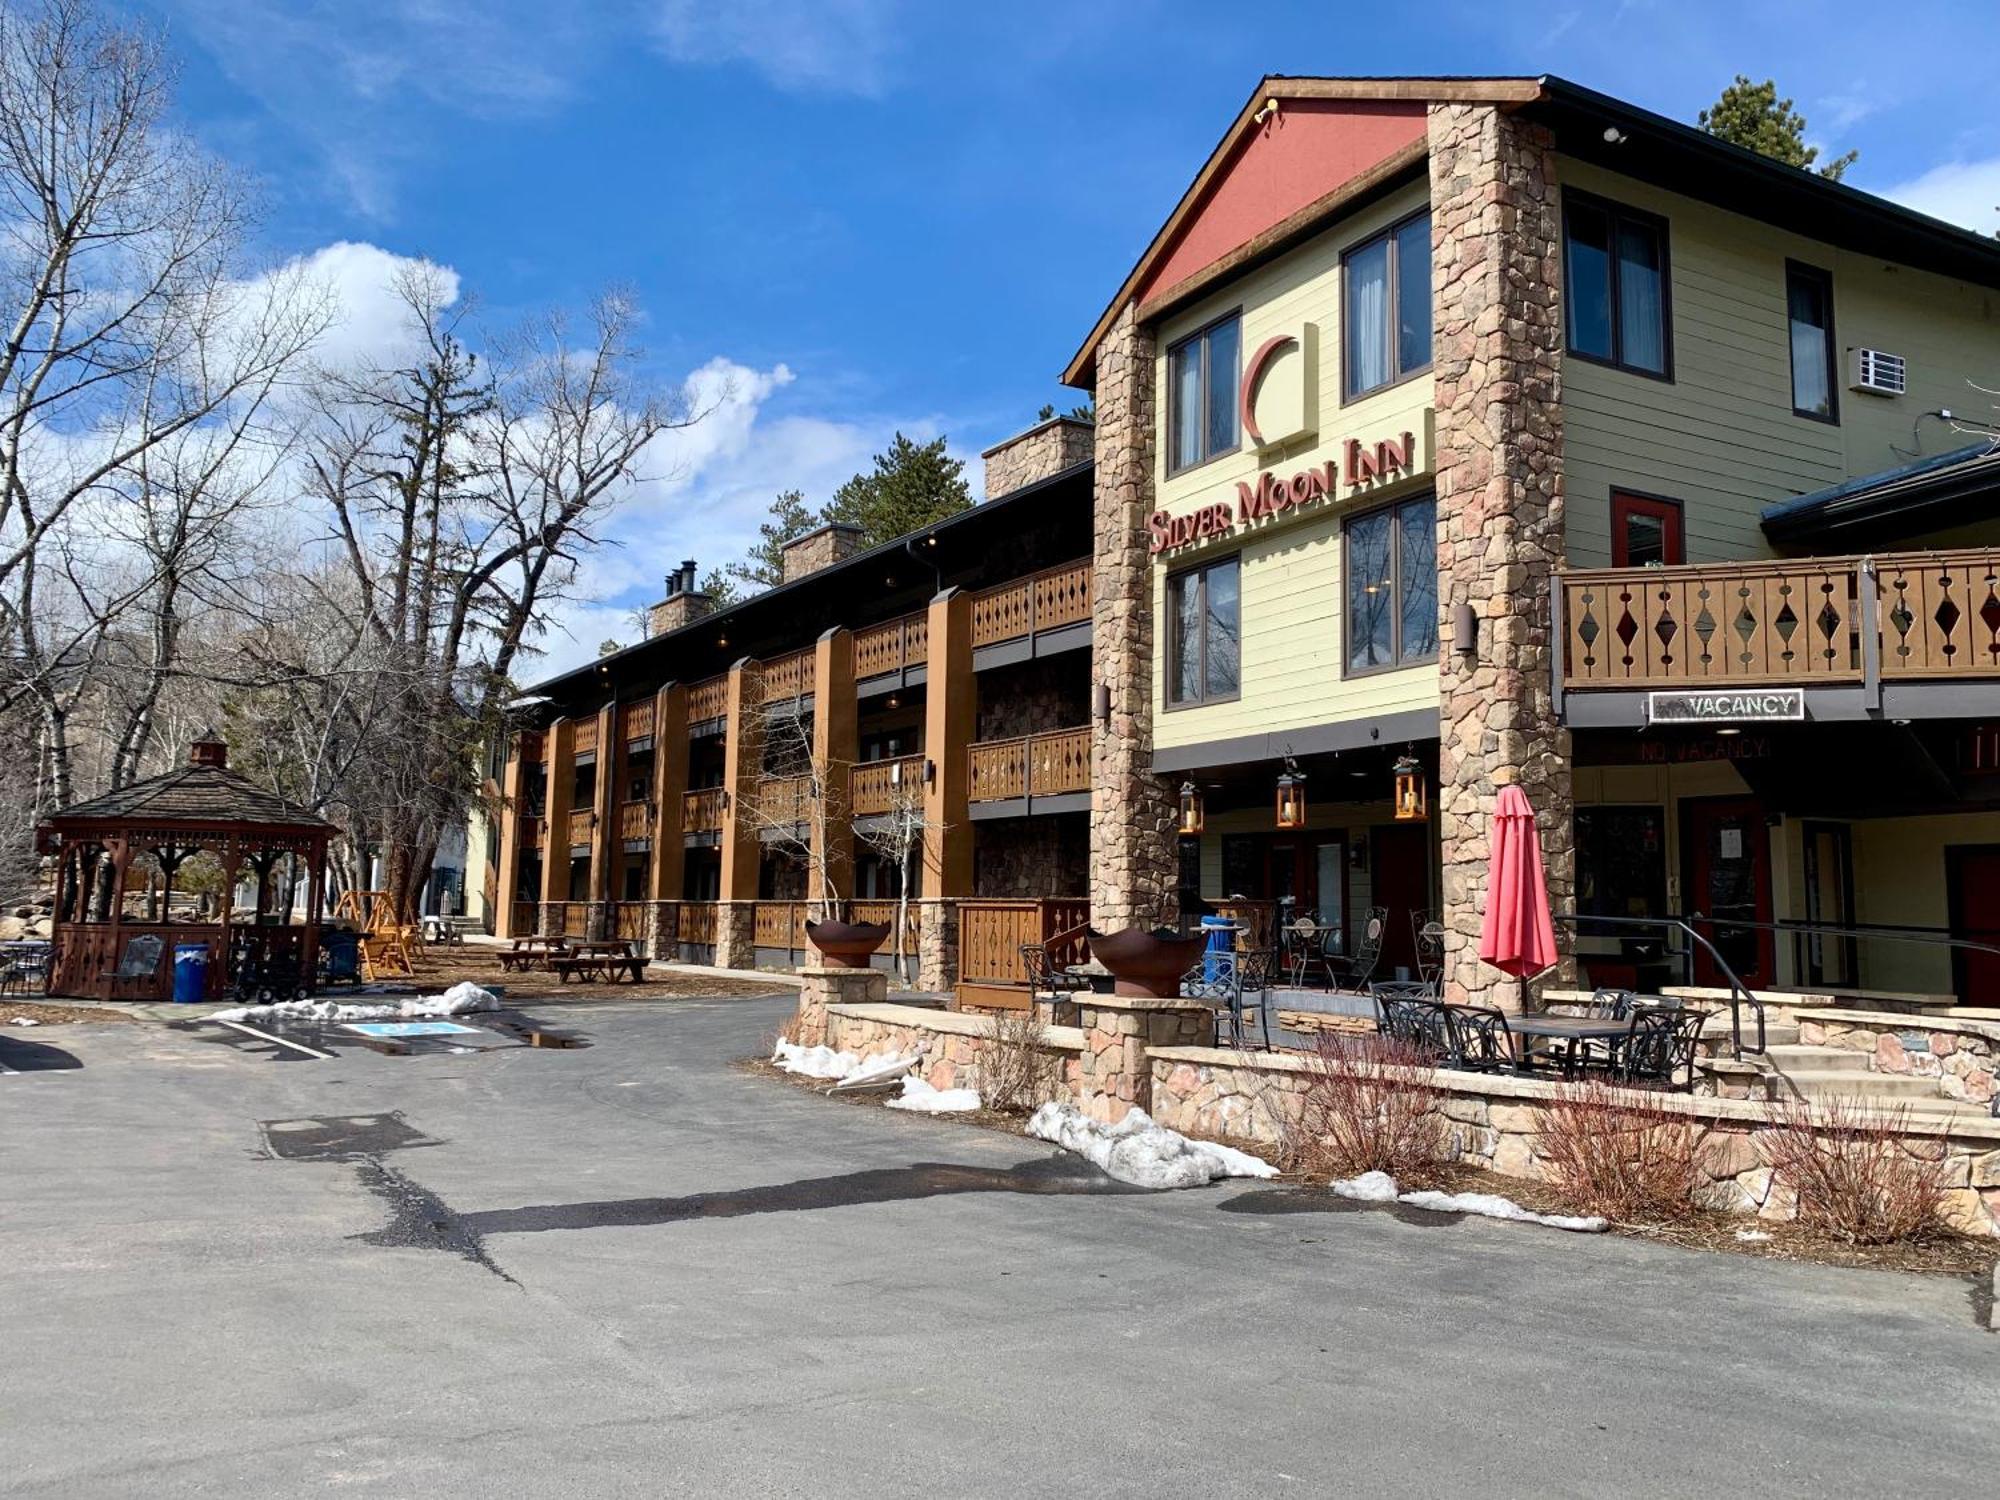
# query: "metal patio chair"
x,y
1659,1048
1353,971
1047,980
1305,944
1428,932
1480,1039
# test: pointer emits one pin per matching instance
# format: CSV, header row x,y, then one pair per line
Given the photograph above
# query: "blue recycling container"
x,y
1218,959
190,973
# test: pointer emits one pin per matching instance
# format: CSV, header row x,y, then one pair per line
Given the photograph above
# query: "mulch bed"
x,y
443,967
55,1013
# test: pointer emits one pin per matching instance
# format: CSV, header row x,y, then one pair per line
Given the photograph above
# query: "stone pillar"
x,y
1133,862
1115,1072
821,987
950,716
670,767
743,760
836,747
736,934
607,849
507,828
1496,271
937,948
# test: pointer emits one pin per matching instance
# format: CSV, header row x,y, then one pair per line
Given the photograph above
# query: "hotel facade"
x,y
1449,434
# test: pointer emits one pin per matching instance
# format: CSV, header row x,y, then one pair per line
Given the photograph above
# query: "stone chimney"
x,y
682,606
832,543
1044,450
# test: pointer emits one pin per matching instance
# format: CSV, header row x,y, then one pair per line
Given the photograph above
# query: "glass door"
x,y
1330,881
1830,957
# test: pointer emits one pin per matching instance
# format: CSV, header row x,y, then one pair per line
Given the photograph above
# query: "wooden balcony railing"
x,y
781,924
893,646
784,799
635,820
1042,601
524,918
576,919
991,934
885,911
708,699
788,676
1796,620
630,920
635,720
582,826
1035,765
874,785
698,922
584,737
701,811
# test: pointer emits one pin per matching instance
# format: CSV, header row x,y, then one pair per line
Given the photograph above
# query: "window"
x,y
1201,394
1387,308
1621,861
1809,311
1645,529
1203,609
1392,609
1615,282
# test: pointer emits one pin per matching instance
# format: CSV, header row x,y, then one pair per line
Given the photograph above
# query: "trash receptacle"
x,y
190,973
1218,959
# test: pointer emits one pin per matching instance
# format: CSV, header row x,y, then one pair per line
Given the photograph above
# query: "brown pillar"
x,y
836,746
606,847
950,713
231,863
315,894
1133,860
559,757
743,758
507,828
1496,272
670,772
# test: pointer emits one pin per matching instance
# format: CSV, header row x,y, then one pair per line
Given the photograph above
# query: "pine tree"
x,y
765,566
1751,115
913,485
720,587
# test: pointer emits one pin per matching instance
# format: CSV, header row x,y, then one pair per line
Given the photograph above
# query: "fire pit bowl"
x,y
846,945
1146,964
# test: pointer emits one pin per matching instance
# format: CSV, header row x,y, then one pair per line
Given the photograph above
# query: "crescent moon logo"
x,y
1253,376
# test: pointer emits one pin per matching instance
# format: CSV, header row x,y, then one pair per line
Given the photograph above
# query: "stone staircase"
x,y
1810,1072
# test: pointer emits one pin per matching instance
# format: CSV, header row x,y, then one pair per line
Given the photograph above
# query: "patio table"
x,y
1573,1031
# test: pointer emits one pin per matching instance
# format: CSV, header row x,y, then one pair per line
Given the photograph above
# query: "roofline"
x,y
1957,474
549,687
1440,89
1042,426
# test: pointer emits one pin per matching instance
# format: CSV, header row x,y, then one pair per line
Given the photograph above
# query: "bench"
x,y
605,967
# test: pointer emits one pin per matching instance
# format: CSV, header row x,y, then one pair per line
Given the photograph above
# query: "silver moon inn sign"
x,y
1735,706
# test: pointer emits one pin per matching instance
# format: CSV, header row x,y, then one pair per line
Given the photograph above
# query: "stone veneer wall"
x,y
1043,451
676,610
834,542
1043,855
1134,864
1033,697
1495,269
1963,1056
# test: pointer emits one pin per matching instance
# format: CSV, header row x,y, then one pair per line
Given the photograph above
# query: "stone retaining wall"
x,y
955,1044
1963,1056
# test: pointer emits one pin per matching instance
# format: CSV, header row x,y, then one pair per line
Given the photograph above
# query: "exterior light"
x,y
1291,798
1191,809
1411,802
895,773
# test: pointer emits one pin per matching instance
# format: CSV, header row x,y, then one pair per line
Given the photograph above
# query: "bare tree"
x,y
801,796
898,836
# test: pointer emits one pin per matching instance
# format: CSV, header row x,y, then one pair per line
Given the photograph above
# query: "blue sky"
x,y
848,216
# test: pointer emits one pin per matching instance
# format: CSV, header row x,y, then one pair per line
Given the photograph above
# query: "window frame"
x,y
1396,663
1348,395
1234,315
1625,502
1807,271
1204,698
1617,211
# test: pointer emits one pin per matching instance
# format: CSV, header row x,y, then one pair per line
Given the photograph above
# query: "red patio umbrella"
x,y
1516,934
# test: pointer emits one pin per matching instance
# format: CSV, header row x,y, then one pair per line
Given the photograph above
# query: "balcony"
x,y
874,787
708,699
783,802
635,821
582,826
893,647
1040,612
1007,776
701,811
788,676
635,720
584,739
1905,634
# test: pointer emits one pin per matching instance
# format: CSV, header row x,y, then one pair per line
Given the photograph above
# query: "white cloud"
x,y
829,46
1959,192
371,323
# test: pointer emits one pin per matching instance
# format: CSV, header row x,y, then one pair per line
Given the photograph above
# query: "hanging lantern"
x,y
1411,805
1291,799
1191,809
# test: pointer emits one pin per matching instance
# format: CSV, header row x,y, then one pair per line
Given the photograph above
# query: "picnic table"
x,y
602,958
528,952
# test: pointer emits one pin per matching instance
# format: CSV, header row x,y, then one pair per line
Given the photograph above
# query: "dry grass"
x,y
1370,1105
1018,1072
1856,1176
441,967
55,1013
1609,1154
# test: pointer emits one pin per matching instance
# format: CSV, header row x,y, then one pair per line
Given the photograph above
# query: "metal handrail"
x,y
1739,993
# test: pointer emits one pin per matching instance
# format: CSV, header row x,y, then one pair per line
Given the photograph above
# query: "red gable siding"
x,y
1311,148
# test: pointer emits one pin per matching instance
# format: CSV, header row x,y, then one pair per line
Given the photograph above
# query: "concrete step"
x,y
1791,1057
1892,1088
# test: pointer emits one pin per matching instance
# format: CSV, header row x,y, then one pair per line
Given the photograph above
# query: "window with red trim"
x,y
1645,529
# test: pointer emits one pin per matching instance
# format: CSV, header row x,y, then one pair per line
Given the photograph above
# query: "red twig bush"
x,y
1621,1157
1370,1105
1855,1172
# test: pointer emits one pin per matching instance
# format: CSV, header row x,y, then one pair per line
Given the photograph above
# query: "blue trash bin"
x,y
190,973
1218,959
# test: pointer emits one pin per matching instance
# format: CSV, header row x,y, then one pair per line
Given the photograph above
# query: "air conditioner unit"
x,y
1878,373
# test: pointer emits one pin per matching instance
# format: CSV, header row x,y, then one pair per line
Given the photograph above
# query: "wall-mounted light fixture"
x,y
1191,810
1100,701
1412,803
1291,796
1464,630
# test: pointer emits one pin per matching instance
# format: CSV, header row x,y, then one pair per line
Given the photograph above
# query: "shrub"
x,y
1370,1105
1620,1157
1854,1171
1018,1073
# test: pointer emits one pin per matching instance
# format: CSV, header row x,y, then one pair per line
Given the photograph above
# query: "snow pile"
x,y
1380,1187
851,1071
1752,1236
24,1021
920,1098
1137,1151
460,1000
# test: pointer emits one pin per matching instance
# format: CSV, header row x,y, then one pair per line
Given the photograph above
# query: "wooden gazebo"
x,y
103,951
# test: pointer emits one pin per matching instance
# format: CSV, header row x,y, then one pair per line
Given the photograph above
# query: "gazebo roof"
x,y
204,792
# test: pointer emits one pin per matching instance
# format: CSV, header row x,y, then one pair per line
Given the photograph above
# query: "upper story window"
x,y
1615,282
1387,307
1646,529
1204,628
1392,609
1201,394
1809,312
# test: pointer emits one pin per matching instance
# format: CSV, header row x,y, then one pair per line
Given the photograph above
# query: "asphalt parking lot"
x,y
633,1268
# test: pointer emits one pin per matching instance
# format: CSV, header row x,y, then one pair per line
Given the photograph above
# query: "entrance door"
x,y
1727,850
1972,873
1402,866
1830,956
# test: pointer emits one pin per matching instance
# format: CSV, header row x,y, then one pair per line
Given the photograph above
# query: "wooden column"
x,y
836,746
743,758
606,848
950,713
507,827
559,759
218,969
315,911
670,774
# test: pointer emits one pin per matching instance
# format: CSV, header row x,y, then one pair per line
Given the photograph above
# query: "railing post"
x,y
1868,606
1558,645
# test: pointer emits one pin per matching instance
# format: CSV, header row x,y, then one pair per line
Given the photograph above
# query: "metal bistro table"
x,y
1573,1031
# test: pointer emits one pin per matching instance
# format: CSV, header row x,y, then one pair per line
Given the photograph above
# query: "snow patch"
x,y
460,1000
1753,1236
920,1098
1137,1151
849,1069
1380,1187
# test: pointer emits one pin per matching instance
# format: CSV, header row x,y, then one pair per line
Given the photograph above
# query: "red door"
x,y
1727,851
1402,853
1973,876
